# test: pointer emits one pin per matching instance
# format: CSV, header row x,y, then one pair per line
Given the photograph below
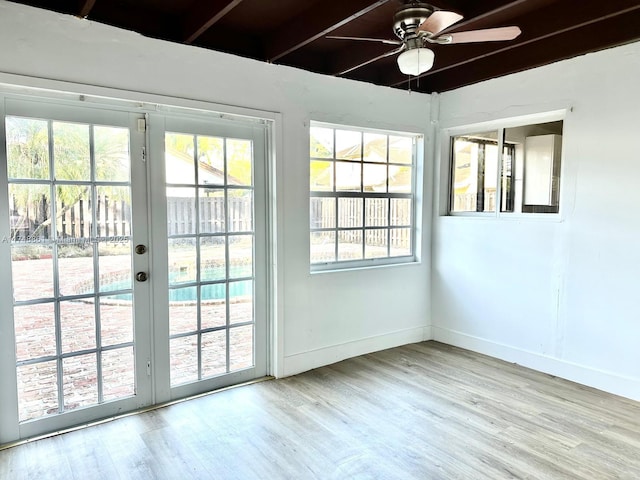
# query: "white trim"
x,y
498,124
275,204
301,362
113,97
9,428
601,379
360,129
522,115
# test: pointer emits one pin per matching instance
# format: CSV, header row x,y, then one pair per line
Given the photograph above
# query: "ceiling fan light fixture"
x,y
415,61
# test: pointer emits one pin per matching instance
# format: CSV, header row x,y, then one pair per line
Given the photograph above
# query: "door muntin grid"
x,y
70,219
211,255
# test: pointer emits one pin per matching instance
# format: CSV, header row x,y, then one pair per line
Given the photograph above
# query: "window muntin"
x,y
361,196
524,178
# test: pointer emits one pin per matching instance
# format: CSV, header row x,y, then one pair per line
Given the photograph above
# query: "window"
x,y
515,169
362,196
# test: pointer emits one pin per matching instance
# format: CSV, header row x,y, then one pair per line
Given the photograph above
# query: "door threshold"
x,y
151,408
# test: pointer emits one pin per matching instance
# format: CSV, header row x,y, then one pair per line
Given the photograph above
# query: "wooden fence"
x,y
182,218
350,215
468,202
32,220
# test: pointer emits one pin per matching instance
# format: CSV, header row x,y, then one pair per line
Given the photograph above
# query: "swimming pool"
x,y
214,291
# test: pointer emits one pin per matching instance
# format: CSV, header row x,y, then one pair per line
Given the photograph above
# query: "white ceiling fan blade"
x,y
487,35
379,40
438,21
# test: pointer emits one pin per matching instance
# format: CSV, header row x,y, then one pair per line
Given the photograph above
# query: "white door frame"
x,y
11,428
204,125
99,98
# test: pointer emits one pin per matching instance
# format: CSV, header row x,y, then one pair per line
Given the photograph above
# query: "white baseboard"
x,y
301,362
602,380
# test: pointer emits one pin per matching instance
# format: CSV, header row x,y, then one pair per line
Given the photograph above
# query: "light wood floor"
x,y
423,411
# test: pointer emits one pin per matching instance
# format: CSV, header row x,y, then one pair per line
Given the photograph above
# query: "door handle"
x,y
141,276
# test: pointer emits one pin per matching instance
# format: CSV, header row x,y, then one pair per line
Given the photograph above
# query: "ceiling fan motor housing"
x,y
409,17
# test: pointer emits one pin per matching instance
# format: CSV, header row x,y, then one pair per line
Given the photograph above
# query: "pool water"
x,y
215,291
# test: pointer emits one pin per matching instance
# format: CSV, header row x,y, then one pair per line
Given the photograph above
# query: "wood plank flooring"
x,y
422,411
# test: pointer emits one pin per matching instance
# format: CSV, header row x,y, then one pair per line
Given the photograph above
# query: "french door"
x,y
210,250
135,260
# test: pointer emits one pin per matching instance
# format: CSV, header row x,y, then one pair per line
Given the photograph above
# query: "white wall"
x,y
559,295
322,317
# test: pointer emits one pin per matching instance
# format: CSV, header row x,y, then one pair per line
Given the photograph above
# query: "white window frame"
x,y
499,126
414,196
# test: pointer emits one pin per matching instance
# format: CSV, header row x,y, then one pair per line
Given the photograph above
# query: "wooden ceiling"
x,y
292,32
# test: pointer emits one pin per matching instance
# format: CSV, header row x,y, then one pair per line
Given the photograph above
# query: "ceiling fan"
x,y
417,24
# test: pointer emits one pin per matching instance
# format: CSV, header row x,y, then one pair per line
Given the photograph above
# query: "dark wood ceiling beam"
x,y
352,60
534,30
499,15
315,23
203,16
613,31
85,7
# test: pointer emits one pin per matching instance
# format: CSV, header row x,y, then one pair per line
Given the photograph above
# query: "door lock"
x,y
141,276
140,249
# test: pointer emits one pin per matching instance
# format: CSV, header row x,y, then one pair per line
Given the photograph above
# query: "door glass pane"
x,y
113,160
214,353
118,373
27,148
212,210
37,390
32,271
240,206
114,262
30,212
213,309
80,381
210,260
75,269
240,302
240,256
183,353
68,234
116,320
35,329
183,310
241,351
181,211
239,162
179,155
78,326
71,151
211,168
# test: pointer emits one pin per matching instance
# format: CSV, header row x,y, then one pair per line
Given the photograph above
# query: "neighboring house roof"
x,y
179,167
